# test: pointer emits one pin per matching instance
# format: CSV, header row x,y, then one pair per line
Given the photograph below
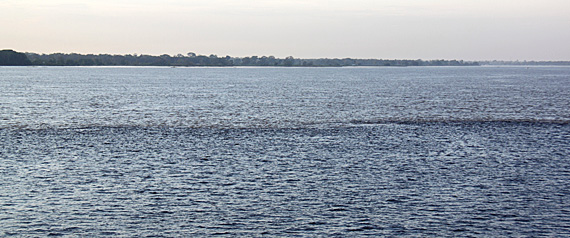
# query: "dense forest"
x,y
192,59
13,58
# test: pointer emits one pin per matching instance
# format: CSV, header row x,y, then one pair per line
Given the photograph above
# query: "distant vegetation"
x,y
525,63
10,57
13,58
191,59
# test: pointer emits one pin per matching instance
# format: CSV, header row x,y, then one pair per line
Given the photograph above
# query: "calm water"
x,y
333,152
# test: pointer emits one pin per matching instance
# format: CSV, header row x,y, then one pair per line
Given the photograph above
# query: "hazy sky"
x,y
395,29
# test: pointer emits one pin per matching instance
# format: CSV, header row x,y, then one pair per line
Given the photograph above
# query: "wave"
x,y
283,124
467,120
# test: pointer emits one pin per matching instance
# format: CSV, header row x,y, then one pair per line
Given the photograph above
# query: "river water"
x,y
303,152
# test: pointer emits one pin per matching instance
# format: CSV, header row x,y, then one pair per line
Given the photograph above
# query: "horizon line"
x,y
362,58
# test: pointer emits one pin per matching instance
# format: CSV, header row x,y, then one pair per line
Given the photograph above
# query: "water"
x,y
177,152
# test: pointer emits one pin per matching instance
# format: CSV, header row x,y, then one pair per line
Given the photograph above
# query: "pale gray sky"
x,y
394,29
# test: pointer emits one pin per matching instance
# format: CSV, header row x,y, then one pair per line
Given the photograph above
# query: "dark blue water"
x,y
147,152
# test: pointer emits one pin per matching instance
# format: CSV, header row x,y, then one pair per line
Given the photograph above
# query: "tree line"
x,y
10,57
525,63
13,58
192,59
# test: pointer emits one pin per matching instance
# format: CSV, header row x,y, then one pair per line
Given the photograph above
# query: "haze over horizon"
x,y
394,29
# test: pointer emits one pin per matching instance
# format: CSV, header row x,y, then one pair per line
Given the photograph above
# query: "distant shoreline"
x,y
191,59
10,57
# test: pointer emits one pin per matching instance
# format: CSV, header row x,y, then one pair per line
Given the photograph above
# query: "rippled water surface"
x,y
177,152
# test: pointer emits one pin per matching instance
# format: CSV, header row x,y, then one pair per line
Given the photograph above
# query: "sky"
x,y
385,29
